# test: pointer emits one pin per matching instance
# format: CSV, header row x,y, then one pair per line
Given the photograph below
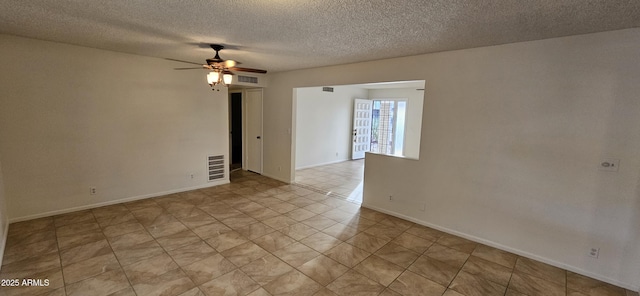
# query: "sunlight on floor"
x,y
343,179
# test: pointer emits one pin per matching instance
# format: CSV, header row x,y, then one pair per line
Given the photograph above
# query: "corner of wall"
x,y
4,221
162,139
3,243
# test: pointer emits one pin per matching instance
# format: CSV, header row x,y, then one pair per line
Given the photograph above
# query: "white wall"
x,y
324,123
4,220
413,124
74,117
512,136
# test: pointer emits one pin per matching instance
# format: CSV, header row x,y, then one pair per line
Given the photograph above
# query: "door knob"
x,y
258,137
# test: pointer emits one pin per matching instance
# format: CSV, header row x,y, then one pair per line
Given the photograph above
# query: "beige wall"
x,y
512,136
324,123
75,117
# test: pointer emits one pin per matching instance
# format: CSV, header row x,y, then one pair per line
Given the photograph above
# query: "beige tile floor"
x,y
257,236
342,180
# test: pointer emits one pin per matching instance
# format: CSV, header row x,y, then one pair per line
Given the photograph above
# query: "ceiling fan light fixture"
x,y
220,69
219,77
213,78
227,78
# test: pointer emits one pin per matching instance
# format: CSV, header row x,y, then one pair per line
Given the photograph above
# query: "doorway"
x,y
328,121
235,130
245,130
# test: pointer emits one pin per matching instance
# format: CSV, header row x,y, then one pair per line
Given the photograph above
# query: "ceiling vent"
x,y
248,79
215,166
327,89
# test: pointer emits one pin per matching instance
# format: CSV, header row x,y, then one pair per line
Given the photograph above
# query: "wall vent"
x,y
215,165
327,89
247,79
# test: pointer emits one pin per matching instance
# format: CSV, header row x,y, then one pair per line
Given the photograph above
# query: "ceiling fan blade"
x,y
240,69
181,61
190,68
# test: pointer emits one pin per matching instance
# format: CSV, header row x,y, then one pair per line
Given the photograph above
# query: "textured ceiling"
x,y
278,35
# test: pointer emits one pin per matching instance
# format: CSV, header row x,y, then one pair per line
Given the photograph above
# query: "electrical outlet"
x,y
594,252
192,175
390,197
92,191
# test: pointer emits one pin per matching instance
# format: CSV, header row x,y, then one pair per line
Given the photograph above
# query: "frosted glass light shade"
x,y
213,77
227,78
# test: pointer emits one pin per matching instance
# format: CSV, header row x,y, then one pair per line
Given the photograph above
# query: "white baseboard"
x,y
3,244
321,164
277,178
112,202
632,287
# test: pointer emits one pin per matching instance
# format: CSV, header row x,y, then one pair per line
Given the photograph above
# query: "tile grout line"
x,y
238,268
64,283
407,268
172,259
513,269
350,269
114,252
459,270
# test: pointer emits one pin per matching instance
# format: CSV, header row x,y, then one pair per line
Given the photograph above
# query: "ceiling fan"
x,y
220,68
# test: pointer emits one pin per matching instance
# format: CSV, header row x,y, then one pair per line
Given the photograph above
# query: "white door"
x,y
361,140
253,133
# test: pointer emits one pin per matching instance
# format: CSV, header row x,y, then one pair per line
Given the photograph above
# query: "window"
x,y
388,126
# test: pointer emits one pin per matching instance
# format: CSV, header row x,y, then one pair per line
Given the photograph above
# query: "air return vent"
x,y
247,79
216,167
327,89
